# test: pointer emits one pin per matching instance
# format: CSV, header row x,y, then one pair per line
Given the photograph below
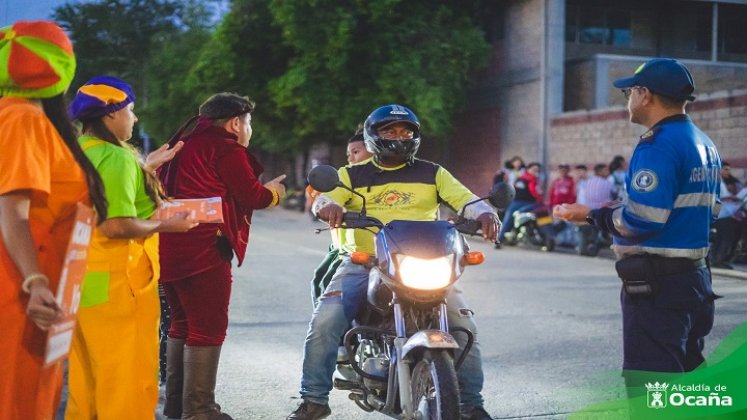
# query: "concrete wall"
x,y
591,137
589,82
505,113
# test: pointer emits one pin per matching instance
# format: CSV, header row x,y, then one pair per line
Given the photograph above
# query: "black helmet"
x,y
386,115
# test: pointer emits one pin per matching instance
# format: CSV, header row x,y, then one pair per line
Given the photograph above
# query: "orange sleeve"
x,y
25,151
311,193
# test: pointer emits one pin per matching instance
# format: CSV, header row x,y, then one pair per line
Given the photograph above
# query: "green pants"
x,y
323,273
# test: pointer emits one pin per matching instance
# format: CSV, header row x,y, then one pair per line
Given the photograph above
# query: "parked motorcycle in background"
x,y
532,228
400,347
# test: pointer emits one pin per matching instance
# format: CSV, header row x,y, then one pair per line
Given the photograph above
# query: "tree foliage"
x,y
350,57
151,44
244,55
116,36
317,67
314,67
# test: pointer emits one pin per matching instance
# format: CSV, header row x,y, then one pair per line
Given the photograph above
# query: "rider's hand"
x,y
42,308
571,212
332,214
161,155
277,186
177,223
490,226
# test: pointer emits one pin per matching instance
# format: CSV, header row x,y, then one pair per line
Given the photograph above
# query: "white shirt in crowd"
x,y
596,192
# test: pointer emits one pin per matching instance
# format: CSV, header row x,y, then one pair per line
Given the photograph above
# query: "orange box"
x,y
203,210
60,335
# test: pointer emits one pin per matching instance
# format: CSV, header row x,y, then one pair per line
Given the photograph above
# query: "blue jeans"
x,y
337,307
508,220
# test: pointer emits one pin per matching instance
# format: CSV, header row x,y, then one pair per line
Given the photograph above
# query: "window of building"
x,y
619,27
732,28
587,23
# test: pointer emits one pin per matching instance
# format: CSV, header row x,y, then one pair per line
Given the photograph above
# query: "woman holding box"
x,y
113,370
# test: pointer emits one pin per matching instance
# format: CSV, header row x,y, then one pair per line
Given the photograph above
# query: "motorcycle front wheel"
x,y
435,394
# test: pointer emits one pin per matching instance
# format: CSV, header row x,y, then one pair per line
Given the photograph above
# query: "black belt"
x,y
669,266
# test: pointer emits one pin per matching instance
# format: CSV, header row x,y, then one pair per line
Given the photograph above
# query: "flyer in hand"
x,y
202,210
60,335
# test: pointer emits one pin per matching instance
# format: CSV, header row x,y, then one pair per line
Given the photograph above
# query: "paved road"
x,y
549,325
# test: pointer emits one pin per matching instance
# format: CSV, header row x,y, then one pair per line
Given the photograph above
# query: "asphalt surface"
x,y
549,325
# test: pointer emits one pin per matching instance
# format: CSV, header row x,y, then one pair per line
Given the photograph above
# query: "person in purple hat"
x,y
113,371
661,232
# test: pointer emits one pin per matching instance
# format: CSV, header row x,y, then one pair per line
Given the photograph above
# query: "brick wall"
x,y
591,137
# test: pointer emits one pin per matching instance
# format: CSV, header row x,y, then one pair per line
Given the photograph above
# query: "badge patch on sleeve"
x,y
645,180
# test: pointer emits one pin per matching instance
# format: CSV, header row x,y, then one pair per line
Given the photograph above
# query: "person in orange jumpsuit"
x,y
44,176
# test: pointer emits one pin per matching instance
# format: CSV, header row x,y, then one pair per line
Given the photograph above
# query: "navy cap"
x,y
662,76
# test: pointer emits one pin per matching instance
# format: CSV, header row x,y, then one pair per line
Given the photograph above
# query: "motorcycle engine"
x,y
376,366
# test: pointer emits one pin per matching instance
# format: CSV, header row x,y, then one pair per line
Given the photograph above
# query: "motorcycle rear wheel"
x,y
435,393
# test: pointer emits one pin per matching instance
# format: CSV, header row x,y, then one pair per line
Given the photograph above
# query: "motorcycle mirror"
x,y
502,195
323,178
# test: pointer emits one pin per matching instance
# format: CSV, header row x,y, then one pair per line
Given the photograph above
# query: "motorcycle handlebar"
x,y
357,221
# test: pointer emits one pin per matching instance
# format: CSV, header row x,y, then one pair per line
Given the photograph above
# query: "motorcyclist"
x,y
396,186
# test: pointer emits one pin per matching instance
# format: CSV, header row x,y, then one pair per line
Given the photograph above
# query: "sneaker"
x,y
307,410
475,413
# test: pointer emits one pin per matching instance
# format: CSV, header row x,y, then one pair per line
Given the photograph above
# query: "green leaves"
x,y
316,68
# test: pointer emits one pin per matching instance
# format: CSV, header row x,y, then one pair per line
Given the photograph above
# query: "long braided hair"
x,y
56,111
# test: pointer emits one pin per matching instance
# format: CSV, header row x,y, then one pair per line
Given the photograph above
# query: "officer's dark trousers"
x,y
665,332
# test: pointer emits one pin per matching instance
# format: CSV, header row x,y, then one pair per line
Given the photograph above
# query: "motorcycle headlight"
x,y
424,274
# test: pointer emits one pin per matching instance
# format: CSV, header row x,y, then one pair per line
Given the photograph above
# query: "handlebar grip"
x,y
469,227
357,221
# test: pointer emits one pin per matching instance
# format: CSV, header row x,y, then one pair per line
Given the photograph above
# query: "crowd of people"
x,y
606,184
51,165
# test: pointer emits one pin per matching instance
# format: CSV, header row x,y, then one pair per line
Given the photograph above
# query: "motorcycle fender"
x,y
430,339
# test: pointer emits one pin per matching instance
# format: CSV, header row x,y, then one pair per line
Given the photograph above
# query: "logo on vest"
x,y
645,180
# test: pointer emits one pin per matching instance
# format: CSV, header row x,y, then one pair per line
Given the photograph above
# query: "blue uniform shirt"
x,y
673,186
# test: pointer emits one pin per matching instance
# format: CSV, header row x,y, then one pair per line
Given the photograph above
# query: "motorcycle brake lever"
x,y
320,230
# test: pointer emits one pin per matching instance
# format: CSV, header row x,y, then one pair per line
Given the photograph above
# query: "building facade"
x,y
547,94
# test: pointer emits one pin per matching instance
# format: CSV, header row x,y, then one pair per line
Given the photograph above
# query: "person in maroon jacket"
x,y
196,266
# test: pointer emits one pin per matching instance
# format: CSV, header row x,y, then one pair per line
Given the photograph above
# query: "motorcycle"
x,y
533,228
400,348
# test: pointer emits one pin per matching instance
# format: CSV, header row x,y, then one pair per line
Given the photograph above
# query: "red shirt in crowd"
x,y
562,191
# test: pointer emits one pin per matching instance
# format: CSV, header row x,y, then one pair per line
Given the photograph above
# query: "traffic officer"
x,y
661,231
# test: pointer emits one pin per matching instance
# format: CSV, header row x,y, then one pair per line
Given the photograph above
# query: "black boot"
x,y
172,407
200,371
